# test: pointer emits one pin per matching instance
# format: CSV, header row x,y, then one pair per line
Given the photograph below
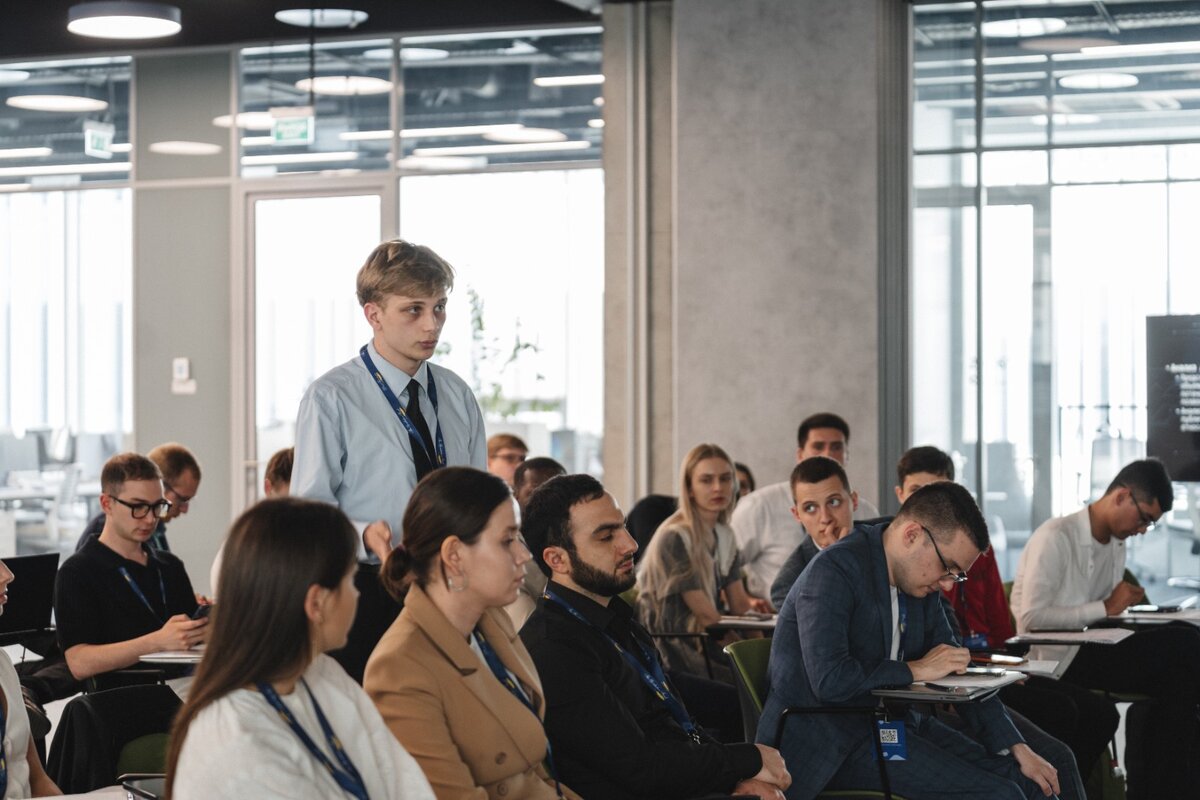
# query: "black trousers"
x,y
1079,718
376,613
1162,751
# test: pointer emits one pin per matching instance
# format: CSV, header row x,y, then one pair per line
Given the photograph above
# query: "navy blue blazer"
x,y
831,648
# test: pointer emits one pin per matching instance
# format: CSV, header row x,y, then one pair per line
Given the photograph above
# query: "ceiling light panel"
x,y
59,103
25,152
344,85
184,148
1098,80
322,17
124,19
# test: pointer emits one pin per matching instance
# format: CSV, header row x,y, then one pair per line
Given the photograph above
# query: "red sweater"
x,y
979,603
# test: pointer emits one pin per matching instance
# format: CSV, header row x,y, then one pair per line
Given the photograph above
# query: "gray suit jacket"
x,y
832,647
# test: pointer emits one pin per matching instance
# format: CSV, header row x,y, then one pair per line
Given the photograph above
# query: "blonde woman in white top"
x,y
692,567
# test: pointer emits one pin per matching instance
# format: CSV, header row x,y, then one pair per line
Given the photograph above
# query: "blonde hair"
x,y
656,578
400,267
173,459
500,441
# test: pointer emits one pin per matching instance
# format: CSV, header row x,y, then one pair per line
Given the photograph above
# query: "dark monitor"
x,y
31,594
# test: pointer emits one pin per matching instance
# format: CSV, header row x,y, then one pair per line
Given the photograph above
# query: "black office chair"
x,y
104,734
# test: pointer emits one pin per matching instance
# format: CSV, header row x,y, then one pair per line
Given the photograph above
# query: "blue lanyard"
x,y
348,777
902,607
438,457
137,590
501,672
649,669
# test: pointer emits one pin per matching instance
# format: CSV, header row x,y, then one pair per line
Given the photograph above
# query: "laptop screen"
x,y
31,594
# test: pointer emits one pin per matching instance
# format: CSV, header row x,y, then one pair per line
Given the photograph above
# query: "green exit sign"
x,y
292,130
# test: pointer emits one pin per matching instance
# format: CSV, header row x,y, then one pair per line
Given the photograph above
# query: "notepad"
x,y
951,688
1089,636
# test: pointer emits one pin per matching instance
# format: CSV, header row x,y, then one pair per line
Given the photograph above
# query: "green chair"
x,y
144,755
749,658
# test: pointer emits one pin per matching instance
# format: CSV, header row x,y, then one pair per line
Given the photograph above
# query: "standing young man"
x,y
369,429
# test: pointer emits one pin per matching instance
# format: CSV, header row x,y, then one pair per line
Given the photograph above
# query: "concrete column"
x,y
181,286
784,130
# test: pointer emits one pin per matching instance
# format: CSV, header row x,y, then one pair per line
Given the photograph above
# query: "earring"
x,y
455,588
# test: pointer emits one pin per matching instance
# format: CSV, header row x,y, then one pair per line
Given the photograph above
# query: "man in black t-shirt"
x,y
118,599
615,722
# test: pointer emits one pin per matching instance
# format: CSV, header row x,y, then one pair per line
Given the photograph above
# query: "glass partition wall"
x,y
484,146
1055,193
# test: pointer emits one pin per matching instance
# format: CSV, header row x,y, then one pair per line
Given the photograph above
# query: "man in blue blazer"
x,y
865,614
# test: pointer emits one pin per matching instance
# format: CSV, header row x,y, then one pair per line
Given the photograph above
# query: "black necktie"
x,y
423,447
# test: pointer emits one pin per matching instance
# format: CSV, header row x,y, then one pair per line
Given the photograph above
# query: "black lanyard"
x,y
348,777
436,458
902,626
137,590
501,672
649,670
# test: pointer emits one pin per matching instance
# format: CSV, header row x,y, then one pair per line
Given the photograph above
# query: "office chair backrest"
x,y
749,658
95,729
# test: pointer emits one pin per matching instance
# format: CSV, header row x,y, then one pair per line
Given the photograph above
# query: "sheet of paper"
x,y
1191,615
1036,667
973,681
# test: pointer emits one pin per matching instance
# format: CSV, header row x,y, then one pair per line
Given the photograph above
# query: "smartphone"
x,y
986,671
144,787
1147,608
202,611
996,658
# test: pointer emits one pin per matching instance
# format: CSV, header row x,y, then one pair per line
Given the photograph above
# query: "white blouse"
x,y
239,747
16,731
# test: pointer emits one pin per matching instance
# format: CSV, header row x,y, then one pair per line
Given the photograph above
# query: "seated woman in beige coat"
x,y
450,677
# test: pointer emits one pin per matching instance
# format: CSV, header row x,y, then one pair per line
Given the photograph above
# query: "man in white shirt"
x,y
1072,575
766,531
368,430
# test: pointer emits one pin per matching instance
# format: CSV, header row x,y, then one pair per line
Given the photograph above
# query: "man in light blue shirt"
x,y
369,429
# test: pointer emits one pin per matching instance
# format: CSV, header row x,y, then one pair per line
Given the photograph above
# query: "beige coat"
x,y
471,736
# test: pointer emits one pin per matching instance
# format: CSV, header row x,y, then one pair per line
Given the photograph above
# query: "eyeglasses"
x,y
140,510
179,499
511,458
1146,521
951,575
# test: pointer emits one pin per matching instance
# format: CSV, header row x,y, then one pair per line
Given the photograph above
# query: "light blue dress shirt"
x,y
352,451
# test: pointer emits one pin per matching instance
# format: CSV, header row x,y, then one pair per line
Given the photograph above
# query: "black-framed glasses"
x,y
951,575
180,499
140,510
1147,522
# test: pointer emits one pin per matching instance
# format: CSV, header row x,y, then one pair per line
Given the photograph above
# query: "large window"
x,y
64,122
466,101
489,147
1049,221
526,315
